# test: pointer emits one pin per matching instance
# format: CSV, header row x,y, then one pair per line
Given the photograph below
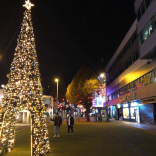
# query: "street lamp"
x,y
102,75
56,80
2,86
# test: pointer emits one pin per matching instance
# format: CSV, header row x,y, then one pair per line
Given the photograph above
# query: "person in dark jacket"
x,y
70,123
57,123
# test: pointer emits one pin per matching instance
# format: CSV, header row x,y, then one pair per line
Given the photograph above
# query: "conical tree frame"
x,y
24,92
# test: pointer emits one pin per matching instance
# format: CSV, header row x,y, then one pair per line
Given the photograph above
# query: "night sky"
x,y
68,35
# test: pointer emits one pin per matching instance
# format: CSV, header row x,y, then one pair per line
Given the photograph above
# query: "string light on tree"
x,y
24,92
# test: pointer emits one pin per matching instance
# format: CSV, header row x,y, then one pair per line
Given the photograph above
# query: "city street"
x,y
91,139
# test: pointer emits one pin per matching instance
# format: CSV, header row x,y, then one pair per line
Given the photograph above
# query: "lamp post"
x,y
52,107
56,80
102,75
3,88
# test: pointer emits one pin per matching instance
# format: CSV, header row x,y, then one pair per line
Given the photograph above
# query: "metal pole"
x,y
57,98
52,107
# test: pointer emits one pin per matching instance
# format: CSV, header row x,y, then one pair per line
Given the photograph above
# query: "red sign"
x,y
103,90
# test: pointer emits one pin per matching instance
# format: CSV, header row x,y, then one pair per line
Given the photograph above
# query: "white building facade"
x,y
131,73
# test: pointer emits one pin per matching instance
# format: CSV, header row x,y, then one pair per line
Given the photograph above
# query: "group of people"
x,y
58,122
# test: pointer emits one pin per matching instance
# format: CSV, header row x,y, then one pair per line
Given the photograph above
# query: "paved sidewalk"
x,y
147,127
22,126
91,139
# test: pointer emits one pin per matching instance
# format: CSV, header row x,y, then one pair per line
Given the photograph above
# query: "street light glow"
x,y
2,86
102,75
56,80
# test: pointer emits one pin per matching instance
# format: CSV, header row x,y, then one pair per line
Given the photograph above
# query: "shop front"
x,y
131,112
136,106
130,107
113,112
148,110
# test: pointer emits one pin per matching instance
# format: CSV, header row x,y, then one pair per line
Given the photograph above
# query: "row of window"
x,y
139,83
143,8
148,30
124,50
128,63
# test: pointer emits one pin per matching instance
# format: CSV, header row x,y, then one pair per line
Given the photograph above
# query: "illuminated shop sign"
x,y
134,104
149,100
125,105
103,90
128,97
98,102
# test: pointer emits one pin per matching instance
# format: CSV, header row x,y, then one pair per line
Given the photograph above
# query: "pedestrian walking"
x,y
57,123
70,123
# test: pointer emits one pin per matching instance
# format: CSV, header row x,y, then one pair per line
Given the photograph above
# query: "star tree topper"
x,y
28,5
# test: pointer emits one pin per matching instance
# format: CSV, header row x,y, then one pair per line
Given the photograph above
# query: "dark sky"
x,y
68,34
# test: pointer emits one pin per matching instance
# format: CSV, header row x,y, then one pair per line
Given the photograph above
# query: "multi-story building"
x,y
131,73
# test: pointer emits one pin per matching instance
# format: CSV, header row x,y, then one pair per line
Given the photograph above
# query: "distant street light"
x,y
2,86
56,80
102,75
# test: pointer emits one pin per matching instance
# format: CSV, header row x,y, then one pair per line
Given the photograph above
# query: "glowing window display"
x,y
133,113
126,113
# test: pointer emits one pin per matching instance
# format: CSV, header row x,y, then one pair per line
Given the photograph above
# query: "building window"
x,y
147,2
133,112
143,8
139,83
152,76
145,35
126,113
124,50
139,15
147,78
141,38
148,30
128,63
154,23
121,70
135,56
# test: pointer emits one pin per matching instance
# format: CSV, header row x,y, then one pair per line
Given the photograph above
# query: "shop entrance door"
x,y
136,115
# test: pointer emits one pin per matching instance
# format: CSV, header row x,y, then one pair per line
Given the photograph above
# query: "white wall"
x,y
146,16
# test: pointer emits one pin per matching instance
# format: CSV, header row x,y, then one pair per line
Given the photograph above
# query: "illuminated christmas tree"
x,y
24,92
